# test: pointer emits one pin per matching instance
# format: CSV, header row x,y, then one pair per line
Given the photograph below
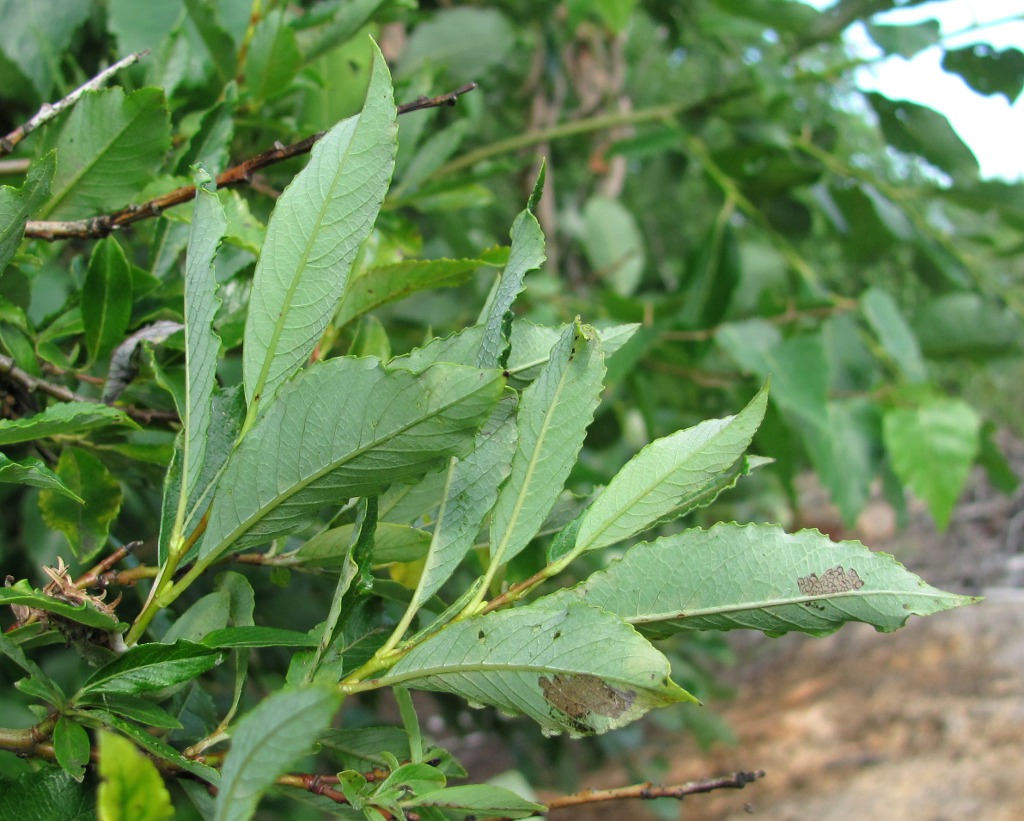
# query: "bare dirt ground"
x,y
926,724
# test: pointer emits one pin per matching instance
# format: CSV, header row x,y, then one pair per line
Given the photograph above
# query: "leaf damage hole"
x,y
582,694
834,580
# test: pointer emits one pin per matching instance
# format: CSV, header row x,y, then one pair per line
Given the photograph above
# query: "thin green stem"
x,y
558,132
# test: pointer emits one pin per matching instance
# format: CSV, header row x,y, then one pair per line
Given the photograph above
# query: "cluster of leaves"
x,y
270,374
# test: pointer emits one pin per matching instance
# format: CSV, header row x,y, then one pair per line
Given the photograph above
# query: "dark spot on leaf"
x,y
557,635
832,581
480,635
580,695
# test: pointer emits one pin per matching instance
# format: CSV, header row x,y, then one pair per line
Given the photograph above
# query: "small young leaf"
x,y
269,739
574,668
668,477
85,525
314,233
757,577
106,298
71,746
130,789
148,668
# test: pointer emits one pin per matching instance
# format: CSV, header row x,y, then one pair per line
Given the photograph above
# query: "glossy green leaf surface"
x,y
151,667
314,233
21,593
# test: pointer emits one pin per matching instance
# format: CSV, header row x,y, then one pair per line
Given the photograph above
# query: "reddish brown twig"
x,y
646,791
241,174
50,110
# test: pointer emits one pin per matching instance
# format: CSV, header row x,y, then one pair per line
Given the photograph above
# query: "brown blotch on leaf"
x,y
580,695
833,580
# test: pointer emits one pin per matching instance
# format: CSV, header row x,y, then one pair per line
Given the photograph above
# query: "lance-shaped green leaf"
x,y
35,473
65,418
345,428
571,668
131,788
758,577
201,343
269,739
253,636
150,667
316,229
669,477
18,204
108,150
372,287
106,298
525,254
470,492
553,416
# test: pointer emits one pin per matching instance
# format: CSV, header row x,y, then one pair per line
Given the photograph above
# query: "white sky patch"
x,y
991,126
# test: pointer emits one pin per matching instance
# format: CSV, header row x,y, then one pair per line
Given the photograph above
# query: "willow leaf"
x,y
317,227
571,668
758,577
553,416
668,477
345,428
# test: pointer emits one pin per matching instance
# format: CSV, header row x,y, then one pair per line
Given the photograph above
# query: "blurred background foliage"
x,y
712,173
